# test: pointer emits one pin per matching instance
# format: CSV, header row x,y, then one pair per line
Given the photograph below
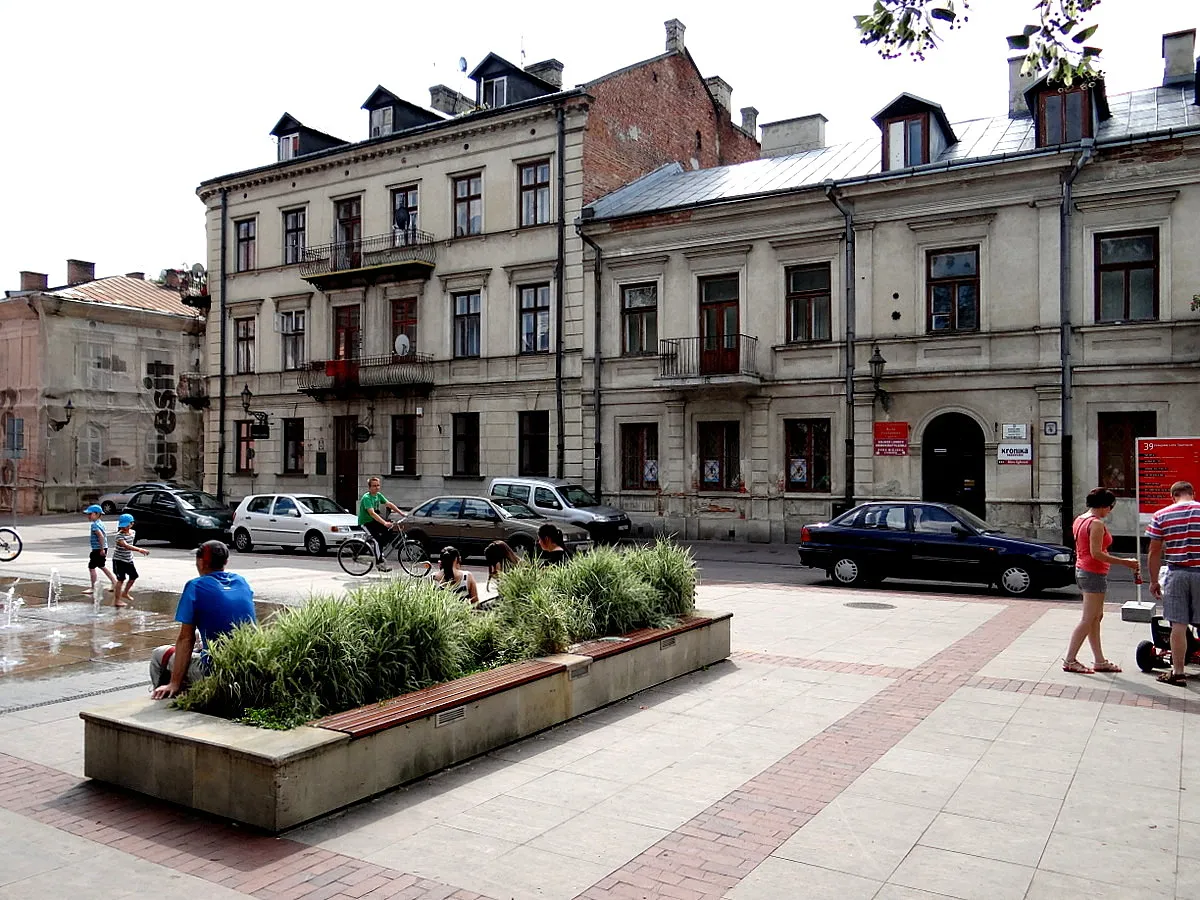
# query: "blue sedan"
x,y
934,542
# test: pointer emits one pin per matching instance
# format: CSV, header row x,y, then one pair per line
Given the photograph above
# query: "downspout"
x,y
848,214
224,337
596,360
1067,511
560,283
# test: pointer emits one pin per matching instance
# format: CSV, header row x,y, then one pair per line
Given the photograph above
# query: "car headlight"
x,y
206,522
1062,557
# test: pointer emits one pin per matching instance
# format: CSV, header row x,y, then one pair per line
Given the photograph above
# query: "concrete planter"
x,y
276,780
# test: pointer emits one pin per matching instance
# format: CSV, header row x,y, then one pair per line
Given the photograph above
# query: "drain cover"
x,y
867,604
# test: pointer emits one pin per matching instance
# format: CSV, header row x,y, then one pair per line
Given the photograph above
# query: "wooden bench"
x,y
602,647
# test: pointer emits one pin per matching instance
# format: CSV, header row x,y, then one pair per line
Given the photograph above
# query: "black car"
x,y
934,542
182,517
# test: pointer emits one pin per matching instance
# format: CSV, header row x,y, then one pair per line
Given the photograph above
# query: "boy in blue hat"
x,y
123,566
98,558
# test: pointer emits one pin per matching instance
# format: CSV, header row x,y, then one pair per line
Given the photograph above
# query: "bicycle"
x,y
357,556
10,544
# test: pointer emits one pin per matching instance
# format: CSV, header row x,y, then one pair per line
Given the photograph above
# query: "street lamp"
x,y
877,364
246,398
60,424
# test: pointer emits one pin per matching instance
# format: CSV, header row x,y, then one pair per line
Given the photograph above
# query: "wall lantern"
x,y
60,424
878,364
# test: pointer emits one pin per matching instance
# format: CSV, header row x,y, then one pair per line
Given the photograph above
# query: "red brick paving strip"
x,y
265,867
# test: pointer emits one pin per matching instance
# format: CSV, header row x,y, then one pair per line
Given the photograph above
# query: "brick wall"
x,y
652,114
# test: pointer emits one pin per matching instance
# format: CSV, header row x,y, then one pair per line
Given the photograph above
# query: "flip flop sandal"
x,y
1074,665
1106,666
1173,678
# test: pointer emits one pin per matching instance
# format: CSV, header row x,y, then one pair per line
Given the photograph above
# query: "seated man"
x,y
210,605
549,548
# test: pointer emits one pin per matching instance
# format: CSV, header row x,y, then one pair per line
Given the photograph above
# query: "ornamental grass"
x,y
334,654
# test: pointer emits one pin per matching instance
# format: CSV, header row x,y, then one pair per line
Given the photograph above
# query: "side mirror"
x,y
295,513
959,532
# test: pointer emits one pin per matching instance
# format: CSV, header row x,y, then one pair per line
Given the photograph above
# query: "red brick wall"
x,y
650,115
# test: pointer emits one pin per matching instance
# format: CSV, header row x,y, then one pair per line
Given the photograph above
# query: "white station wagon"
x,y
291,520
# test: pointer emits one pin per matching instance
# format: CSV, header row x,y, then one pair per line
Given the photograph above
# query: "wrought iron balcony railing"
x,y
367,373
702,357
394,249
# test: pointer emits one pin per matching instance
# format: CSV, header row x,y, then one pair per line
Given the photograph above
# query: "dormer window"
x,y
906,142
495,92
381,122
1064,117
289,147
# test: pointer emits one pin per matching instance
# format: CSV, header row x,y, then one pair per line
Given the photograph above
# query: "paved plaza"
x,y
893,744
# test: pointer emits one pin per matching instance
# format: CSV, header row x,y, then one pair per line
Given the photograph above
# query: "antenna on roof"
x,y
522,51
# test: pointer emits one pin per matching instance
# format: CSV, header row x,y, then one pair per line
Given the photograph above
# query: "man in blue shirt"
x,y
211,605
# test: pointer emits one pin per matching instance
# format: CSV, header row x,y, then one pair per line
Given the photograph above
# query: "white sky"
x,y
112,113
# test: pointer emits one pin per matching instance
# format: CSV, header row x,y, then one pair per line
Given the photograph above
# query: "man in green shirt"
x,y
372,515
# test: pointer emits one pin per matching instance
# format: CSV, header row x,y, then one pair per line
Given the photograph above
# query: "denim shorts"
x,y
1091,582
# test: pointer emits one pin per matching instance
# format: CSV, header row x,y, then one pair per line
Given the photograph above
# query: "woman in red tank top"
x,y
1092,562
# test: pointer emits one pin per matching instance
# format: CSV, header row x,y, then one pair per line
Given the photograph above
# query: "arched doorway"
x,y
952,462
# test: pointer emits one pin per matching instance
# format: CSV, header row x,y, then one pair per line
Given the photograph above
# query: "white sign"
x,y
1014,432
1014,454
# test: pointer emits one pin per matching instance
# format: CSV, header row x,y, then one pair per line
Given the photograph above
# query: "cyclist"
x,y
369,517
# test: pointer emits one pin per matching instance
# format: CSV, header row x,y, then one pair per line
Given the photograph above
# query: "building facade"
x,y
102,388
410,305
985,313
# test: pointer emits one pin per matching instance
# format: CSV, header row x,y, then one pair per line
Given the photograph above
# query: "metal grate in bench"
x,y
608,646
440,698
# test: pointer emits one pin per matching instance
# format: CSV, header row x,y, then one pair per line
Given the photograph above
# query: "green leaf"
x,y
1030,30
946,15
1085,34
1018,42
1091,51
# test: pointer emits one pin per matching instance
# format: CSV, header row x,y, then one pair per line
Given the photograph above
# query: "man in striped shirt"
x,y
1174,535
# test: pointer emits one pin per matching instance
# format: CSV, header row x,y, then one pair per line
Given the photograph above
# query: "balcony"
x,y
711,361
192,390
395,256
370,376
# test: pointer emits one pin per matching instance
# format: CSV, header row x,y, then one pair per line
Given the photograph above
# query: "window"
x,y
952,282
293,446
381,122
348,233
162,455
535,193
468,205
1064,117
1116,433
259,504
1127,276
639,319
466,445
466,325
808,303
889,518
243,330
91,445
639,457
289,147
245,244
291,331
404,215
404,445
906,142
933,520
807,448
96,363
245,447
347,334
495,92
533,450
442,508
720,456
160,376
535,318
478,510
519,492
293,236
285,506
14,432
404,322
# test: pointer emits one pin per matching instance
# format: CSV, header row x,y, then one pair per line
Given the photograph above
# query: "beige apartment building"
x,y
101,387
978,312
409,304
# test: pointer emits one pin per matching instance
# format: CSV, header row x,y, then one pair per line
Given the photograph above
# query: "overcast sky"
x,y
112,113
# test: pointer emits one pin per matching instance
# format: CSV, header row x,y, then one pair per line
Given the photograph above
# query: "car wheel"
x,y
314,543
848,572
1016,581
241,540
109,507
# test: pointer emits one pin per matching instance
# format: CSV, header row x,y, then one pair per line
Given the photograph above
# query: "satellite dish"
x,y
198,270
402,345
462,64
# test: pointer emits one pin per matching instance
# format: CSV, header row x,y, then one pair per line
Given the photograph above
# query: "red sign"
x,y
891,439
1160,463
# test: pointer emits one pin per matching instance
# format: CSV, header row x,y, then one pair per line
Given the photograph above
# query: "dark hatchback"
x,y
183,517
933,542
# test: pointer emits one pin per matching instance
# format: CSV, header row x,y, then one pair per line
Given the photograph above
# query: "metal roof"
x,y
1138,113
133,293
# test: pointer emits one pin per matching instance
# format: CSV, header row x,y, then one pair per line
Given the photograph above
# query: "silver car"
x,y
115,502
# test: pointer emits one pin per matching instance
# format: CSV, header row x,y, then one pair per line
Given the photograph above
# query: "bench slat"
x,y
600,648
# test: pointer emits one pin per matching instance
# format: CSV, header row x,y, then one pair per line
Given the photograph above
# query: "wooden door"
x,y
719,325
345,462
347,332
404,322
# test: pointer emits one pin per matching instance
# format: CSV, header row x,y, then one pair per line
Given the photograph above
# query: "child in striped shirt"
x,y
123,566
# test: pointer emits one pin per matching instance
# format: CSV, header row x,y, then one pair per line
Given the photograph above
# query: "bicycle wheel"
x,y
356,557
10,545
413,559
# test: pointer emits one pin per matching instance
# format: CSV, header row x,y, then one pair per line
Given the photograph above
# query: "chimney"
x,y
33,281
1018,84
449,101
140,276
549,70
721,91
793,135
80,272
1179,53
675,30
750,121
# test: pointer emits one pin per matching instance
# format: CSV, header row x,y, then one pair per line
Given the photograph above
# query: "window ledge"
x,y
402,476
956,332
811,495
805,345
292,475
449,477
721,492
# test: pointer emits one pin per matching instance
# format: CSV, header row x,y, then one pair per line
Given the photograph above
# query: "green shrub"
x,y
671,571
619,599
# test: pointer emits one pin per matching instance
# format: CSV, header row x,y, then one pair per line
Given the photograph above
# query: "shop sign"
x,y
1012,431
1160,463
891,439
1014,454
